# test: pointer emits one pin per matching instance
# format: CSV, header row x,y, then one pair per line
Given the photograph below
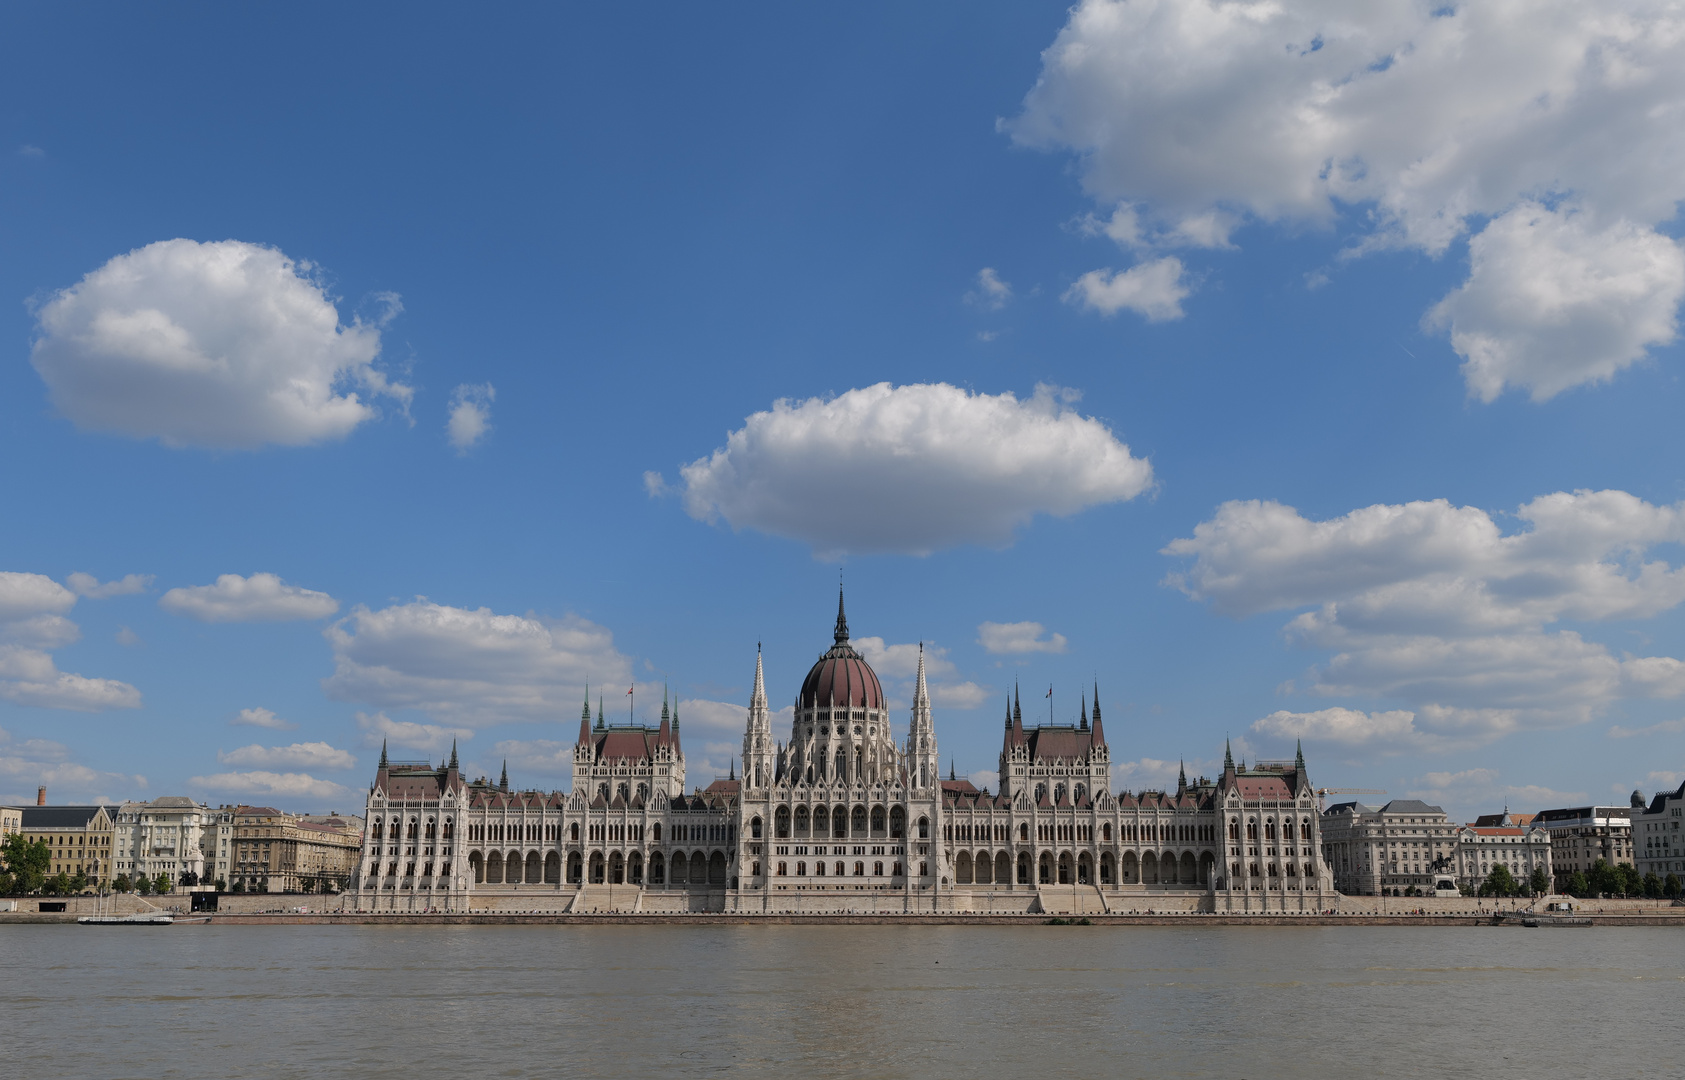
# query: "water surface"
x,y
842,1001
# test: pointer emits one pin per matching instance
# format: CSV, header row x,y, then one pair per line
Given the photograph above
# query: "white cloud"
x,y
462,665
260,782
1414,122
903,660
909,469
1153,289
1392,731
227,345
1666,727
31,623
27,764
312,755
91,587
538,757
470,415
991,293
1549,304
1152,774
1435,606
259,598
1471,792
962,695
261,718
1018,639
987,779
380,729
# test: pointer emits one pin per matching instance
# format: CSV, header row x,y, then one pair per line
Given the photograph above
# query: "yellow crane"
x,y
1321,792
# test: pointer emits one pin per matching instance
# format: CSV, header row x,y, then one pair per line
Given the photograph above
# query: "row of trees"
x,y
24,864
1622,880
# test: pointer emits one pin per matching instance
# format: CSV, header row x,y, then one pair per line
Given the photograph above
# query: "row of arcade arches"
x,y
998,868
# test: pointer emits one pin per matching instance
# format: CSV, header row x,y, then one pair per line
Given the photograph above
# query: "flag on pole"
x,y
1050,691
628,689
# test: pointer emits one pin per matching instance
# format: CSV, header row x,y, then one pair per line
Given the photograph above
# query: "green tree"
x,y
1500,882
1602,879
122,884
221,885
143,885
27,861
7,884
58,884
1652,886
1579,884
239,886
1539,882
1628,882
79,882
161,884
1670,886
307,884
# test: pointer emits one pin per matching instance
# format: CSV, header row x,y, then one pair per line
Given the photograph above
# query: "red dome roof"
x,y
841,677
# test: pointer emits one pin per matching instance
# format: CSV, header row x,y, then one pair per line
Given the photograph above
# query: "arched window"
x,y
573,832
377,833
1045,870
602,792
412,828
879,820
1269,829
657,869
597,868
821,821
1024,836
801,869
635,868
1106,833
1058,793
842,870
655,832
859,869
857,821
450,830
802,819
897,823
1234,830
755,828
783,869
1252,828
924,828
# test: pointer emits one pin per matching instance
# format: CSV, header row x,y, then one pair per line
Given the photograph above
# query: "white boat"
x,y
144,918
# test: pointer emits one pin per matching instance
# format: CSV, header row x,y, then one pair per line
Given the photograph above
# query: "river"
x,y
841,1001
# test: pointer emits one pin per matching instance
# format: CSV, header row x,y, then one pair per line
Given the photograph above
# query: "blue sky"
x,y
1296,377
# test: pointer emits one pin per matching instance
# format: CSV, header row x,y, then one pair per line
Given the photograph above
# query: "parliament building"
x,y
836,816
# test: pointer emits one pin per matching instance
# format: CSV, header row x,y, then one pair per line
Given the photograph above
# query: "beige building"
x,y
165,836
1483,848
11,821
277,852
1386,850
79,837
1658,839
1580,835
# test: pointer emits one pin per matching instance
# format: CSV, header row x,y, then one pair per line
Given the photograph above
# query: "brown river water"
x,y
841,1001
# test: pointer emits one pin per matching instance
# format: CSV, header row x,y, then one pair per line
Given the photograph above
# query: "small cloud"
x,y
1316,279
470,415
1666,727
262,718
127,638
987,335
656,485
1153,289
265,783
259,598
991,293
965,695
28,151
1018,639
311,755
91,587
985,778
379,728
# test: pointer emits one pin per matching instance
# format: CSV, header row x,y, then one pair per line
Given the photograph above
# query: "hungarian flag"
x,y
628,689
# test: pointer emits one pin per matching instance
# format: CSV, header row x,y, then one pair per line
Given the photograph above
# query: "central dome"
x,y
841,677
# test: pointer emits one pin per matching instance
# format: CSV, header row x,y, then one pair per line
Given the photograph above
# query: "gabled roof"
x,y
725,787
1067,743
59,817
1410,806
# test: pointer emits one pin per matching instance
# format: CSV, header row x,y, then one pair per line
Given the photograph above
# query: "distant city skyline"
x,y
1287,380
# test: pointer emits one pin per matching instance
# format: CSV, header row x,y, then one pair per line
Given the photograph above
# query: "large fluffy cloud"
x,y
311,755
909,468
1435,607
227,344
460,665
263,783
259,598
1191,117
1018,639
26,764
32,622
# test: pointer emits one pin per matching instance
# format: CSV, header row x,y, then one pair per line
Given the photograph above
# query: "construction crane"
x,y
1321,792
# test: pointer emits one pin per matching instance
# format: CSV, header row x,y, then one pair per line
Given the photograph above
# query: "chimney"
x,y
41,795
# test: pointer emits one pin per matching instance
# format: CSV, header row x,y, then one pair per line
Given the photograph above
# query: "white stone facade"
x,y
1658,835
1388,850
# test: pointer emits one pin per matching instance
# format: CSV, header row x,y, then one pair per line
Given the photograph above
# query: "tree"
x,y
1539,882
306,884
1652,886
221,885
1500,882
79,882
1628,882
122,884
161,884
59,884
143,885
27,861
1670,886
7,883
239,886
1579,884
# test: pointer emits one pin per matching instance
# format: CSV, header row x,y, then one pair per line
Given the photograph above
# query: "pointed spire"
x,y
663,701
383,753
1084,712
599,712
1228,757
842,620
951,775
1009,714
675,723
503,781
1299,756
1099,737
453,763
1017,713
757,696
921,696
731,770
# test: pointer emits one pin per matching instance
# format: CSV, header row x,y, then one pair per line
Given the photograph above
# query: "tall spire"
x,y
920,693
1009,714
663,701
503,781
842,620
1099,736
1299,756
759,748
453,764
1084,711
599,712
1017,713
757,696
383,753
1228,757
